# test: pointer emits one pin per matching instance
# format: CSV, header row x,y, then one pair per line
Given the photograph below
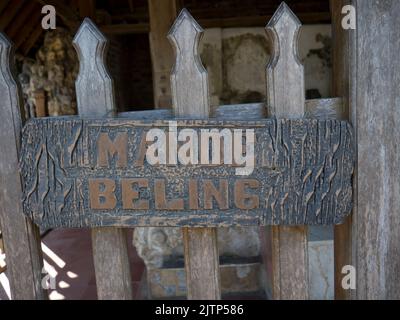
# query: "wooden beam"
x,y
30,42
162,15
115,29
259,21
131,6
10,12
87,9
21,19
376,117
342,82
33,22
3,5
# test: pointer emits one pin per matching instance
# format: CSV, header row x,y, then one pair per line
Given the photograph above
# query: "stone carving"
x,y
54,70
162,247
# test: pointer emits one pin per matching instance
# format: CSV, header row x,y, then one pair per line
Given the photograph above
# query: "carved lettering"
x,y
81,184
107,149
243,200
101,194
160,197
220,195
129,195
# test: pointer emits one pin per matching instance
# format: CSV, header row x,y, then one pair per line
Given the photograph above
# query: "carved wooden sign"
x,y
121,172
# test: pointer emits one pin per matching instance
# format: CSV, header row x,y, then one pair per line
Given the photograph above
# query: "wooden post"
x,y
162,14
376,117
189,86
21,236
40,103
286,98
342,87
95,97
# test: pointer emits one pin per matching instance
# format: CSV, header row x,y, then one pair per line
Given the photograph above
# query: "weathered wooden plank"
x,y
21,237
376,114
342,82
285,98
330,108
95,96
190,97
161,16
303,165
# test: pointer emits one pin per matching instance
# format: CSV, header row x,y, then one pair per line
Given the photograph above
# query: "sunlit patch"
x,y
72,275
57,260
2,259
63,285
5,284
50,269
54,295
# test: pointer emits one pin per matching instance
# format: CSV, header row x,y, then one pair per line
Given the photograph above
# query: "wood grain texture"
x,y
377,120
285,72
190,97
324,109
21,237
342,86
303,168
286,98
161,16
94,85
95,97
202,263
189,79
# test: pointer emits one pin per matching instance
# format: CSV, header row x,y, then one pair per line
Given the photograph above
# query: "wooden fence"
x,y
288,275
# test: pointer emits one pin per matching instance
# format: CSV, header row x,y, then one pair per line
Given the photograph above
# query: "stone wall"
x,y
236,59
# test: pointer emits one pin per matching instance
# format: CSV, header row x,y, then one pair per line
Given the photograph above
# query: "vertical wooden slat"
x,y
376,117
342,82
40,103
285,98
161,14
95,97
189,86
21,236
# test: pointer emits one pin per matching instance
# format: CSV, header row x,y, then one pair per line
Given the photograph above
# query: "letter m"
x,y
108,149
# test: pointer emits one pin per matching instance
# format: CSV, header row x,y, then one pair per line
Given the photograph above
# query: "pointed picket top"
x,y
94,85
282,14
285,72
10,113
189,79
